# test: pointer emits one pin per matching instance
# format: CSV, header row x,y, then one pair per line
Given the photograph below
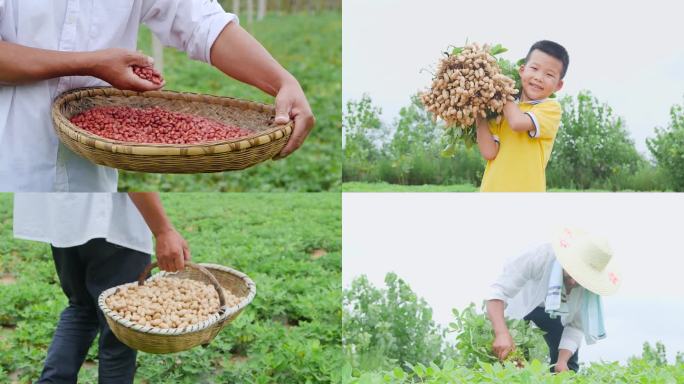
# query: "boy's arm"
x,y
517,120
20,64
240,56
488,145
171,248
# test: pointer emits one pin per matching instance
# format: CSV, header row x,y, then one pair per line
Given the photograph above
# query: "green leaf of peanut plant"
x,y
449,151
457,50
497,49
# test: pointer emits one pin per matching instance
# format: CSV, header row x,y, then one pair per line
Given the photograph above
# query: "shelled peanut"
x,y
168,302
154,125
468,84
149,74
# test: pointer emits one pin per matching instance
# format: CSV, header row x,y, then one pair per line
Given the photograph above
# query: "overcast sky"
x,y
629,54
450,247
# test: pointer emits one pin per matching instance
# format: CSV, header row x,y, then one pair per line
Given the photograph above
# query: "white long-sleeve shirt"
x,y
70,219
523,286
31,157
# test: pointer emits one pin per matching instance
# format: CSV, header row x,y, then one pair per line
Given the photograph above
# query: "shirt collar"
x,y
532,102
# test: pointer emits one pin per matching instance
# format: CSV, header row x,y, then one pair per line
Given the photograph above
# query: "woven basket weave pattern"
x,y
156,340
264,143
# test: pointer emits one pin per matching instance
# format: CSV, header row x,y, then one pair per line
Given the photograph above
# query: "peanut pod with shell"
x,y
470,82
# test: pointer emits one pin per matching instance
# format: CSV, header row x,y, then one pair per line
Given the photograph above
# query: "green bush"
x,y
383,327
668,147
593,150
409,155
592,146
362,128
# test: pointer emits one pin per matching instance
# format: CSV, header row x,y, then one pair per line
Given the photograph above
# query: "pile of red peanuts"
x,y
154,125
149,74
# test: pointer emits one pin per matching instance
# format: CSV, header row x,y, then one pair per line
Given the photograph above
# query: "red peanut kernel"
x,y
154,125
149,74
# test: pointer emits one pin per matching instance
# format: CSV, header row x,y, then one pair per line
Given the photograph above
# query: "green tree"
x,y
592,148
362,128
414,152
388,326
668,147
416,136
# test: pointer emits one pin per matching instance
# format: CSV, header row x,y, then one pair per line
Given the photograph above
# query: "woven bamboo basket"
x,y
160,341
266,140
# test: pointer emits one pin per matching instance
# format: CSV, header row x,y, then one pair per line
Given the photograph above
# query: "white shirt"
x,y
523,286
71,219
31,157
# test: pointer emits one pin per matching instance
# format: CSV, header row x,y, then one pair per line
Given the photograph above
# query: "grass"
x,y
310,47
288,243
356,186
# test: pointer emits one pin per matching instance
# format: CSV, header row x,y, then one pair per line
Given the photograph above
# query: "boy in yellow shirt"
x,y
518,148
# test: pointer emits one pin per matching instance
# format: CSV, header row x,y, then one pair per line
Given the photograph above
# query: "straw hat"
x,y
587,259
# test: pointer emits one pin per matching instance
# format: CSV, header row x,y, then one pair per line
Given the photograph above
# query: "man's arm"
x,y
570,341
236,53
20,64
564,356
489,148
503,341
171,248
517,119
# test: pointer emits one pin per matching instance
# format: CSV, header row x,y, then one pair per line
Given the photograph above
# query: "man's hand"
x,y
291,104
237,54
171,248
561,366
503,342
172,251
564,356
114,66
503,345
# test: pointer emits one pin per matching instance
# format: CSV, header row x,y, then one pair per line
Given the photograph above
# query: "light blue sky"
x,y
629,54
450,247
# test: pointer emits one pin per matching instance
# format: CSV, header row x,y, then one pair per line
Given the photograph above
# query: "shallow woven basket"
x,y
156,340
266,140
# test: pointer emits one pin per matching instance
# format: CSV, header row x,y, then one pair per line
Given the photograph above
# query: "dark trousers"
x,y
554,331
84,272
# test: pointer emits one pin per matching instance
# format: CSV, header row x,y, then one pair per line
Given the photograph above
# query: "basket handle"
x,y
212,279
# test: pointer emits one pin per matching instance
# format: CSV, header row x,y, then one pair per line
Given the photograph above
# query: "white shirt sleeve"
x,y
517,272
191,26
571,339
2,11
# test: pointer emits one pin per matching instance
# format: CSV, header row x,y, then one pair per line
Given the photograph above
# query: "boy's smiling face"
x,y
540,76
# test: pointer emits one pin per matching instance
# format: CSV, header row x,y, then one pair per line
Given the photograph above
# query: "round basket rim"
x,y
224,312
86,138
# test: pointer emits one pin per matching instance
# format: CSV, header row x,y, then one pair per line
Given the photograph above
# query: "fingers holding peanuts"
x,y
118,66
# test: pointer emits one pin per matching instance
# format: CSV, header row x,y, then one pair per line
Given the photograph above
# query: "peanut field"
x,y
289,244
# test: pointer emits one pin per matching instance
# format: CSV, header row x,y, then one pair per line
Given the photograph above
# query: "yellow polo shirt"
x,y
520,164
